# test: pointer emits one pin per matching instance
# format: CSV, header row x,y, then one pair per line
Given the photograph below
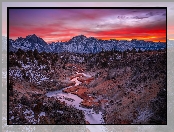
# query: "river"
x,y
91,116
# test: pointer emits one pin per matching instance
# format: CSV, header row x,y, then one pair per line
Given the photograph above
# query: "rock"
x,y
111,74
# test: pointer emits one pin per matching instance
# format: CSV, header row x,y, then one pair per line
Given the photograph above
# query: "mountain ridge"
x,y
83,44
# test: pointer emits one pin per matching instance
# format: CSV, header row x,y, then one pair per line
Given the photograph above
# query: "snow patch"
x,y
42,114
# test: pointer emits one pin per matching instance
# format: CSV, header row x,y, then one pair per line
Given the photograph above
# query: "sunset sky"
x,y
62,24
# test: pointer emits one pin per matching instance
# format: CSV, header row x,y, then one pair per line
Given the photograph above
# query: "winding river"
x,y
91,116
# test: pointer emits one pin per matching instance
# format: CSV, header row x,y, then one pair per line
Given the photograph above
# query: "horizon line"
x,y
128,39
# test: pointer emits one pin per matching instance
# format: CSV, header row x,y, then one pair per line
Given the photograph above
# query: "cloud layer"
x,y
63,24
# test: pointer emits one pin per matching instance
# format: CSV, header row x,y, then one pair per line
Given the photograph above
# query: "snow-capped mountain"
x,y
82,44
31,42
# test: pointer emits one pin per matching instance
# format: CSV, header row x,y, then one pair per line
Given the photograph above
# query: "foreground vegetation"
x,y
128,87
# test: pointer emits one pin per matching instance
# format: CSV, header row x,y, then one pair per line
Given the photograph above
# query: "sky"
x,y
169,5
62,24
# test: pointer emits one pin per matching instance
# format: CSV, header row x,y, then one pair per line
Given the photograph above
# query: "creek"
x,y
91,115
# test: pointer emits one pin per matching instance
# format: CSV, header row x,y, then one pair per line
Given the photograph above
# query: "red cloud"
x,y
64,25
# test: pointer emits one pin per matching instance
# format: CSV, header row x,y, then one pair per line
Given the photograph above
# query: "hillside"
x,y
127,87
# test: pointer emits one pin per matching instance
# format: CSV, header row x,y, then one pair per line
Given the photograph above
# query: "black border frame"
x,y
8,8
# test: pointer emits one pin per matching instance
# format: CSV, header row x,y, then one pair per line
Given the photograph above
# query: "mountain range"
x,y
81,44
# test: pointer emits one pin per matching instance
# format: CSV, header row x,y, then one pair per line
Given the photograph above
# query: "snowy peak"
x,y
31,39
31,42
78,38
34,39
82,44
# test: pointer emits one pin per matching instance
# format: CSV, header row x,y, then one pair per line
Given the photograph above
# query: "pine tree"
x,y
35,52
139,51
124,54
133,51
24,59
63,66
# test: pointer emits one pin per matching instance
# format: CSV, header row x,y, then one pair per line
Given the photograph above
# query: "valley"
x,y
109,87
